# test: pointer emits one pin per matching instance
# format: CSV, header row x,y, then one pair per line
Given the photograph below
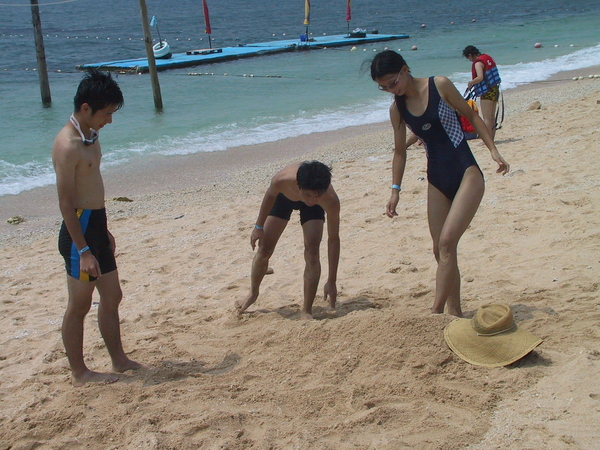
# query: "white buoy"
x,y
414,47
538,45
353,49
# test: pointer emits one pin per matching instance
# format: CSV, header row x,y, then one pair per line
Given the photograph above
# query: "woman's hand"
x,y
390,209
503,166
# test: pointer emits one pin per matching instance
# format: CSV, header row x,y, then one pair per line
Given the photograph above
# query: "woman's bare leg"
x,y
447,223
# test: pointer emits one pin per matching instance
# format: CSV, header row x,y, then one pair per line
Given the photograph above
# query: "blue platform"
x,y
206,56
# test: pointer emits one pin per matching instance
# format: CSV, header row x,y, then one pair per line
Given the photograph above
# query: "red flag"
x,y
206,18
306,12
349,11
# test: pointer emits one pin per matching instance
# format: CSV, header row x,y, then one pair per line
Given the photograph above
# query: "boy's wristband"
x,y
258,227
397,187
83,250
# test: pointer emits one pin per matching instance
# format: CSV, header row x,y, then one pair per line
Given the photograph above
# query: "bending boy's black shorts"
x,y
283,208
95,229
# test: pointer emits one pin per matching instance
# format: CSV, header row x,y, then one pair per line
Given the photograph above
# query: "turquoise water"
x,y
259,99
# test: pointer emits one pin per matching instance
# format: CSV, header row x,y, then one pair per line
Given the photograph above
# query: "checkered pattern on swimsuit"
x,y
450,123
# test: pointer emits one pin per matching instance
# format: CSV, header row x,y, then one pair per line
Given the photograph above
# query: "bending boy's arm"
x,y
333,249
333,244
267,204
265,208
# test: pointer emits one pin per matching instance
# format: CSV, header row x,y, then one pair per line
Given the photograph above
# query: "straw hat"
x,y
491,338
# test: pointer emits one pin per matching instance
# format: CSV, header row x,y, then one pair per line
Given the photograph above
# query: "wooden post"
x,y
41,54
158,104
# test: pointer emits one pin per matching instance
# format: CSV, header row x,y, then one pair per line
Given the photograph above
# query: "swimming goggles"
x,y
90,141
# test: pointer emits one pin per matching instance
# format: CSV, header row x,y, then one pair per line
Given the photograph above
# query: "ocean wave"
x,y
18,178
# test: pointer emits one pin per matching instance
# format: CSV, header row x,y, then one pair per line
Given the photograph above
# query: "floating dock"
x,y
207,56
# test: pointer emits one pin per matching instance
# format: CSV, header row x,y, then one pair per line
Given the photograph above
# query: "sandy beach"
x,y
375,373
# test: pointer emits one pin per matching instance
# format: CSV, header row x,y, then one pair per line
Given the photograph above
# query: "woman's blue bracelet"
x,y
397,187
83,250
258,227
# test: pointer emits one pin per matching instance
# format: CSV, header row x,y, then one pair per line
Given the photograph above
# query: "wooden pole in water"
x,y
158,104
40,53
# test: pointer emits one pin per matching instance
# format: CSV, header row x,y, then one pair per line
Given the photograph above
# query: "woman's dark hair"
x,y
386,62
313,176
99,90
471,51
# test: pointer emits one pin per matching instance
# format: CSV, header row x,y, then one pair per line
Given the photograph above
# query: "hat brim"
x,y
488,351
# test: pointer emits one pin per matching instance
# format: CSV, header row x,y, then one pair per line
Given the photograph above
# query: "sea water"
x,y
264,99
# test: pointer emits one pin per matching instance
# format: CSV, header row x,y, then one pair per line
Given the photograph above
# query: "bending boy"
x,y
307,188
84,240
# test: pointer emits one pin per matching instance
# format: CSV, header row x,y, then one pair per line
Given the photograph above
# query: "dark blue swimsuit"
x,y
448,154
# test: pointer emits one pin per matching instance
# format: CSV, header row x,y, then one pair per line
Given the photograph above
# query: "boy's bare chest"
x,y
90,159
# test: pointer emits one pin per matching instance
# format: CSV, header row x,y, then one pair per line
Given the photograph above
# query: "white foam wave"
x,y
24,177
15,179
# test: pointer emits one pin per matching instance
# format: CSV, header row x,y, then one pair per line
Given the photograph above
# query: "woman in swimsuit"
x,y
428,107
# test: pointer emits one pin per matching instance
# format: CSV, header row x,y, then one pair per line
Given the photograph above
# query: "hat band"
x,y
514,325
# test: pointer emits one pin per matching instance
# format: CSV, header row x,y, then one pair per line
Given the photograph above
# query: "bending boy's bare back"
x,y
285,182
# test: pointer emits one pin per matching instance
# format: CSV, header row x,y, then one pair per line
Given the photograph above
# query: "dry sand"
x,y
376,373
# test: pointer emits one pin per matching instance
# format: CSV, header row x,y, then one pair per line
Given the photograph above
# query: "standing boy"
x,y
84,240
307,188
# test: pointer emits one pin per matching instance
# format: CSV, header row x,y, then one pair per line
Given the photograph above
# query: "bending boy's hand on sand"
x,y
256,236
330,292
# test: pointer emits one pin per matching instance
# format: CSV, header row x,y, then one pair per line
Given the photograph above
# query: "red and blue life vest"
x,y
491,76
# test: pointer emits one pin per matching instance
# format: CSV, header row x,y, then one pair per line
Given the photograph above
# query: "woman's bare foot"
x,y
94,377
453,307
455,312
127,364
242,306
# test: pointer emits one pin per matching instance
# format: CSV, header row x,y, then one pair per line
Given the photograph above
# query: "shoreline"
x,y
171,174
